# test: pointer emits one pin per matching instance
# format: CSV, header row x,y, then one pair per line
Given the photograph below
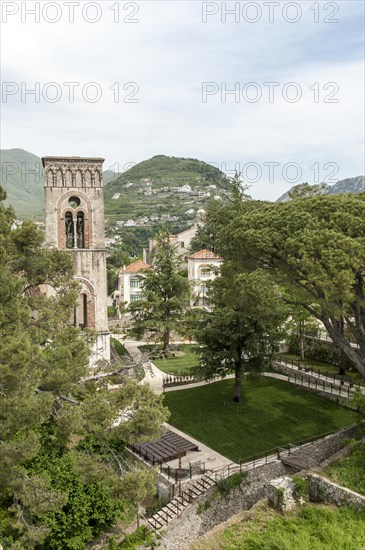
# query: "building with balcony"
x,y
203,266
130,283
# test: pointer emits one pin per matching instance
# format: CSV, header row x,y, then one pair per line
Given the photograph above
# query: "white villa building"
x,y
202,267
181,241
130,282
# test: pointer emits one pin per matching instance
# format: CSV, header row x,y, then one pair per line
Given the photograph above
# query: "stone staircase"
x,y
173,509
294,462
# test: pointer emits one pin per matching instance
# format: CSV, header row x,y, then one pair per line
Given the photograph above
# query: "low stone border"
x,y
325,491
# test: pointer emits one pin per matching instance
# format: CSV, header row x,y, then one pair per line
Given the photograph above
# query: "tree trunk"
x,y
342,371
237,383
341,340
137,515
301,341
343,343
166,338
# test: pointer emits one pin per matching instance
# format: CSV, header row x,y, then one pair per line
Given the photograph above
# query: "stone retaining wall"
x,y
320,450
214,508
323,490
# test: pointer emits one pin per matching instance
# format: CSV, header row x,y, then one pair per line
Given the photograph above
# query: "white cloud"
x,y
169,53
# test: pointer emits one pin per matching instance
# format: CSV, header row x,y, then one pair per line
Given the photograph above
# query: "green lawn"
x,y
324,367
272,413
350,471
177,365
119,347
313,527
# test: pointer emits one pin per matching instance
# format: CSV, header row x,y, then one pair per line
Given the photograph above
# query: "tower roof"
x,y
71,159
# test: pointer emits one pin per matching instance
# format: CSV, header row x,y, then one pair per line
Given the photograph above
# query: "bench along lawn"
x,y
184,361
272,413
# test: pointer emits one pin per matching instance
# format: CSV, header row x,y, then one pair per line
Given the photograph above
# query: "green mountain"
x,y
165,189
22,177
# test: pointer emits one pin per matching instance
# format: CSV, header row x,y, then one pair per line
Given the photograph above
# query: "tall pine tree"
x,y
165,296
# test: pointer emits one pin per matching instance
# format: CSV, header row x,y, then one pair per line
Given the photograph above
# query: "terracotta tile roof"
x,y
139,265
204,255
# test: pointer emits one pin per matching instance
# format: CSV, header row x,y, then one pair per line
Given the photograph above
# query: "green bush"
x,y
141,536
112,311
318,350
203,506
301,487
225,486
155,506
89,509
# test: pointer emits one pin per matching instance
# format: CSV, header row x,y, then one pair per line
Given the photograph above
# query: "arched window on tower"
x,y
69,227
80,314
80,230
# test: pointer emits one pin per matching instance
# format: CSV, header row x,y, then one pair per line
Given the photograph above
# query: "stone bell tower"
x,y
74,216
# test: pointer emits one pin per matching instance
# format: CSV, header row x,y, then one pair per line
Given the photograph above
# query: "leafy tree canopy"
x,y
243,330
315,249
55,489
165,296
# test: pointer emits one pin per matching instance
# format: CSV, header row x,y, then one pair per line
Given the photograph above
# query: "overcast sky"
x,y
296,69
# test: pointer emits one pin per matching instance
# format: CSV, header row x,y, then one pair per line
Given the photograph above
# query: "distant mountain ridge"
x,y
22,178
21,175
348,185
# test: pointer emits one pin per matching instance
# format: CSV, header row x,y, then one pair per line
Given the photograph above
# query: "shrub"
x,y
141,536
112,311
301,487
203,506
225,486
319,350
155,506
90,506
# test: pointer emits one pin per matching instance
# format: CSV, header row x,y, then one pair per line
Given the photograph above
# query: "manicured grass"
x,y
324,367
350,471
119,348
272,413
177,365
313,527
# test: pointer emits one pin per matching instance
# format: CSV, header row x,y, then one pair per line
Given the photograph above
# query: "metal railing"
x,y
181,379
271,455
333,378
